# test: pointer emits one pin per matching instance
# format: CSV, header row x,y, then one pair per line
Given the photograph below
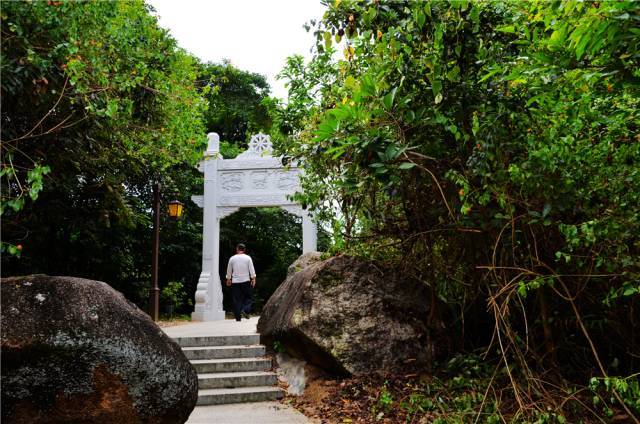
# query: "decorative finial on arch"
x,y
259,146
213,147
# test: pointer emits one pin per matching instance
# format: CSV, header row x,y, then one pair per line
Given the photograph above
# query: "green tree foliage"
x,y
98,102
238,102
490,150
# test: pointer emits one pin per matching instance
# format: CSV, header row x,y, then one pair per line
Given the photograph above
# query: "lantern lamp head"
x,y
175,209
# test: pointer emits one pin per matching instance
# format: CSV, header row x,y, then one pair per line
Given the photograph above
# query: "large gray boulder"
x,y
352,316
76,351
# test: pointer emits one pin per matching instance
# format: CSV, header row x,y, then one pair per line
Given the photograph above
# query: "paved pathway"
x,y
236,413
247,413
227,327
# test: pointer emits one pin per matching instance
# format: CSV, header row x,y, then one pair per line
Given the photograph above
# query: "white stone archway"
x,y
254,179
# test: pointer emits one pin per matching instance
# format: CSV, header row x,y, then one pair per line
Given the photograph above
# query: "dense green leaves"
x,y
97,103
239,102
101,76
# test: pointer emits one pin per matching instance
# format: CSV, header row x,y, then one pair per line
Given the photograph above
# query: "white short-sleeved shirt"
x,y
240,268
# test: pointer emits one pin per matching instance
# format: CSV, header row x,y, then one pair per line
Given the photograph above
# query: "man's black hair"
x,y
241,247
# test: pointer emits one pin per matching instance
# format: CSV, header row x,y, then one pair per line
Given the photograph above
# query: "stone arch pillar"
x,y
309,227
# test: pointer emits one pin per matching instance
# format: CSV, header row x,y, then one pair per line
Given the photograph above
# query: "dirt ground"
x,y
338,401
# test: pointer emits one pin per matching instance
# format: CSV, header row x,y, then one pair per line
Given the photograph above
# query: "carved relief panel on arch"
x,y
232,181
260,180
287,181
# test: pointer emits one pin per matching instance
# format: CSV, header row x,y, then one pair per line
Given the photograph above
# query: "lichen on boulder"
x,y
303,261
352,316
75,350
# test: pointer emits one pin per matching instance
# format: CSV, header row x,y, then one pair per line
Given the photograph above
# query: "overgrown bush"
x,y
491,151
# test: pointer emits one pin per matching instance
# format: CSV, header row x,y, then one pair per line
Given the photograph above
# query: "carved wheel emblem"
x,y
260,143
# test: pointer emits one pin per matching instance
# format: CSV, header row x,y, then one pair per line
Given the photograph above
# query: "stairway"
x,y
231,369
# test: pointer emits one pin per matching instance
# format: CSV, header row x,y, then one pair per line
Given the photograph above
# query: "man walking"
x,y
241,277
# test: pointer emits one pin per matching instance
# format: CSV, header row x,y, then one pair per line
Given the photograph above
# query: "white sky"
x,y
256,35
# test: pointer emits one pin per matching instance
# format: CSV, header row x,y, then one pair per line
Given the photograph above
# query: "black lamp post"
x,y
175,211
154,292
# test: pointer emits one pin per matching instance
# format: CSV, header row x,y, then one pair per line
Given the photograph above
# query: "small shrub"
x,y
173,294
385,401
279,347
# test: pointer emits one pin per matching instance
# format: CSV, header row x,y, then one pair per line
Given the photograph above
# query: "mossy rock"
x,y
75,350
352,316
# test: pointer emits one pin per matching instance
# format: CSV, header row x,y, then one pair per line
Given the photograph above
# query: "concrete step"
x,y
220,352
236,395
236,379
248,339
204,366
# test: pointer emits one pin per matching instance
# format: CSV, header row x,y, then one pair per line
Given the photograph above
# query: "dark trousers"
x,y
242,296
